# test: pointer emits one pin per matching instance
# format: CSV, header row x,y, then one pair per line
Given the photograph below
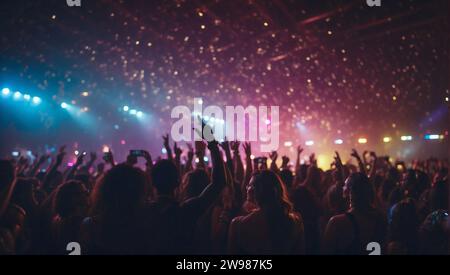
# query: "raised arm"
x,y
74,168
167,147
273,164
248,163
226,148
297,162
200,203
177,150
239,166
355,154
339,168
33,171
190,157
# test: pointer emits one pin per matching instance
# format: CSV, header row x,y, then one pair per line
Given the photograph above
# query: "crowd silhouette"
x,y
238,206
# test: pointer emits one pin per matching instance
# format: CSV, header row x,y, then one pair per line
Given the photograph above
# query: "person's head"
x,y
71,199
404,222
359,190
120,192
194,183
269,192
165,177
313,176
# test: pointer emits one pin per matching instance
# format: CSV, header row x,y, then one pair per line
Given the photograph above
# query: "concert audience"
x,y
232,205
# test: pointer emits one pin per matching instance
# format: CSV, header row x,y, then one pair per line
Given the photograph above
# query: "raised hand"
x,y
235,146
177,150
361,165
62,149
337,160
273,156
247,149
225,145
200,148
80,159
43,158
312,159
190,152
373,155
211,140
166,141
355,154
299,150
61,154
148,159
285,161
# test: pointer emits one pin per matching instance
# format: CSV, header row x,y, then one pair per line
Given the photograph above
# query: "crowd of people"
x,y
235,205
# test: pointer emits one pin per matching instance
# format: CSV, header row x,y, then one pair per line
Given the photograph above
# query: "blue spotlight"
x,y
27,97
139,114
133,112
6,91
431,137
64,105
17,95
36,100
126,108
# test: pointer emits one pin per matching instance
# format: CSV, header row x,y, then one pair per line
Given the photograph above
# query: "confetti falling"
x,y
340,70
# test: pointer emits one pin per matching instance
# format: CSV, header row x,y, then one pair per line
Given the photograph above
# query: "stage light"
x,y
267,121
387,139
36,100
77,152
309,143
362,140
139,114
17,95
85,94
106,149
431,137
6,91
406,138
133,112
441,136
64,105
126,108
26,97
164,151
338,141
252,157
205,158
288,144
123,142
15,154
